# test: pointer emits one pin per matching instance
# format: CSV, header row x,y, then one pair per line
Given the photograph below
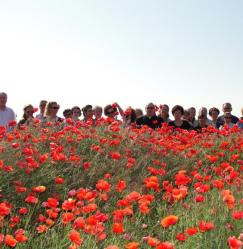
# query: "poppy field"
x,y
79,186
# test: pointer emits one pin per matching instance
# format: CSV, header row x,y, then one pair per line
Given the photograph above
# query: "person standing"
x,y
150,119
42,107
6,113
226,108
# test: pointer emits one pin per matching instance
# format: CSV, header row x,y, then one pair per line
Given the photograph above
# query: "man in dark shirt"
x,y
150,119
226,108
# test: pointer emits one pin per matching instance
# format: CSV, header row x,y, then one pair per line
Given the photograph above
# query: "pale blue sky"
x,y
186,52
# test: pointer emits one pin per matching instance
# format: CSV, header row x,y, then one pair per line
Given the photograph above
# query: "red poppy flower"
x,y
121,185
191,231
169,221
205,226
10,240
75,237
118,228
234,243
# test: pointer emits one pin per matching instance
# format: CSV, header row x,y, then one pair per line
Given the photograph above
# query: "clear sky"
x,y
78,52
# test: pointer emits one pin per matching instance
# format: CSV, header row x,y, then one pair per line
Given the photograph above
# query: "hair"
x,y
177,108
242,111
166,106
149,104
76,108
67,111
49,106
86,108
139,110
3,94
201,116
98,108
131,114
227,103
107,107
191,108
186,112
43,101
25,108
213,109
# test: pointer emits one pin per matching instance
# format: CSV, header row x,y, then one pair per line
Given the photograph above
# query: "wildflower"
x,y
59,180
191,231
75,237
10,240
205,226
121,185
181,237
132,245
234,243
118,228
169,220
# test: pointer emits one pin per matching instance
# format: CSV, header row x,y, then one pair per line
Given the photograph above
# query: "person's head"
x,y
51,109
150,109
42,106
130,115
214,113
202,120
192,113
110,111
76,112
88,112
227,117
186,115
3,99
28,111
242,111
177,112
227,107
139,113
98,112
164,111
203,111
67,113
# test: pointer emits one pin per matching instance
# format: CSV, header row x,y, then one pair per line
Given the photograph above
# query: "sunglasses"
x,y
227,117
150,108
55,107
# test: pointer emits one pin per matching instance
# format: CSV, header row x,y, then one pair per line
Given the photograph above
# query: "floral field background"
x,y
107,187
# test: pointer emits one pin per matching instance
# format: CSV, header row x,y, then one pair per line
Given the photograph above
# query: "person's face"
x,y
150,110
227,108
165,110
202,122
76,113
89,113
54,109
177,114
42,106
138,113
3,100
186,116
192,113
111,113
98,113
68,114
29,112
204,111
215,115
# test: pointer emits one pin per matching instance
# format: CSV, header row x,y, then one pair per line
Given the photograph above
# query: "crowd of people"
x,y
154,116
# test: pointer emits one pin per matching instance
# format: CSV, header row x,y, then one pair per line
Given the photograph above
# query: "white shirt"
x,y
6,115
